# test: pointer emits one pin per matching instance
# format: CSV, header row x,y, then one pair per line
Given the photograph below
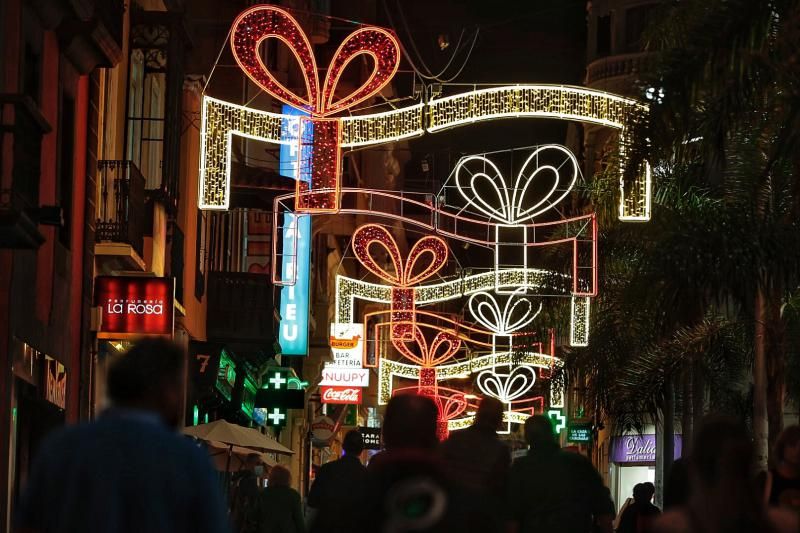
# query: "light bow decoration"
x,y
516,314
513,207
317,188
405,275
507,386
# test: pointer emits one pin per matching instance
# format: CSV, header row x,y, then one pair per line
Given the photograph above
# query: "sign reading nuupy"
x,y
347,345
345,377
134,306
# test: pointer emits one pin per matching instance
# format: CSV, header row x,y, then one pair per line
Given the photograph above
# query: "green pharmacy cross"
x,y
281,391
559,420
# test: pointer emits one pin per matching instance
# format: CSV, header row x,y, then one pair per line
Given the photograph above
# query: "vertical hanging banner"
x,y
295,261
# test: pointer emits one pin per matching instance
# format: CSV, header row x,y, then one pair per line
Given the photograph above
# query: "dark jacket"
x,y
477,463
279,511
125,472
553,491
338,494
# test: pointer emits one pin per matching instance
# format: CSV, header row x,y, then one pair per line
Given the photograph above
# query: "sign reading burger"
x,y
344,379
134,306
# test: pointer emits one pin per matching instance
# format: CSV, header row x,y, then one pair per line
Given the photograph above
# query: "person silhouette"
x,y
128,471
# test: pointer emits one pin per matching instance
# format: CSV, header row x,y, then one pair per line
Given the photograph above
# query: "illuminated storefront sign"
x,y
341,395
347,377
295,261
639,448
579,433
347,345
134,306
55,382
371,437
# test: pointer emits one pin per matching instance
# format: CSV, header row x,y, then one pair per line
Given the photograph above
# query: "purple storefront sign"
x,y
638,448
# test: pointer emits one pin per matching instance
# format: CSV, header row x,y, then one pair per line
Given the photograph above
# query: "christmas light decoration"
x,y
579,232
389,369
433,249
320,136
513,207
507,386
515,315
545,283
220,120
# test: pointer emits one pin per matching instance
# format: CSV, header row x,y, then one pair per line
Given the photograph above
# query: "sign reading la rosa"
x,y
132,306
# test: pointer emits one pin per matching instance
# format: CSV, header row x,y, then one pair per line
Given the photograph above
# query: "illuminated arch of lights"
x,y
322,137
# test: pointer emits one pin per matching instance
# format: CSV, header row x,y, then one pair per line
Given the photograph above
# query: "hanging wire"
x,y
216,61
419,72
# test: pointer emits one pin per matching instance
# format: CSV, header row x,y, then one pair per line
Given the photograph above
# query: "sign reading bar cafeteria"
x,y
133,306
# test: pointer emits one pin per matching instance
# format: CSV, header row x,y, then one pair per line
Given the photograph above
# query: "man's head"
x,y
149,376
410,422
539,432
353,443
490,413
253,463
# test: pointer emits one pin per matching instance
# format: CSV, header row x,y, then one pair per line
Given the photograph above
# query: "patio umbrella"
x,y
236,435
233,459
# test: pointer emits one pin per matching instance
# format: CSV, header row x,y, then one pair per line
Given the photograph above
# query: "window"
x,y
603,36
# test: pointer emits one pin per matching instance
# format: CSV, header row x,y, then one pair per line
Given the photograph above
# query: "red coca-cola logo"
x,y
349,395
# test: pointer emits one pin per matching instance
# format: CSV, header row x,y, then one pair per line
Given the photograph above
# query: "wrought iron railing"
x,y
121,213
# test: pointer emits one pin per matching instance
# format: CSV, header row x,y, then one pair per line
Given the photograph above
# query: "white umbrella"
x,y
235,435
222,455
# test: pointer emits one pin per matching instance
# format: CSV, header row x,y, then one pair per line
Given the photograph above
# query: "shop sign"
x,y
371,438
638,448
55,382
322,428
226,376
341,395
296,259
347,377
579,433
347,345
134,306
204,360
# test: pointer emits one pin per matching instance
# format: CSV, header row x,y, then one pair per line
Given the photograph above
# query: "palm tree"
x,y
729,72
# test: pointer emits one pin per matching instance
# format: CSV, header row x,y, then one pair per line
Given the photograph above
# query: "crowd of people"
x,y
129,471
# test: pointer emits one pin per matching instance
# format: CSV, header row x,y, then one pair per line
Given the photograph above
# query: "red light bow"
x,y
319,138
404,276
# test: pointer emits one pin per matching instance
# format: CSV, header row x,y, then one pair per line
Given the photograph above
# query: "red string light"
x,y
318,185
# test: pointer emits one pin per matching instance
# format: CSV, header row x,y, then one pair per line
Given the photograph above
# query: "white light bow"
x,y
507,386
509,207
516,314
484,188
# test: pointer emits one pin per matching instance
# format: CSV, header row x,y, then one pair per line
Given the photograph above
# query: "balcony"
x,y
616,66
121,216
21,130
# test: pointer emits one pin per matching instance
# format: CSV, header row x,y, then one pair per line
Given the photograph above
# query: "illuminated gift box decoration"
x,y
320,136
429,248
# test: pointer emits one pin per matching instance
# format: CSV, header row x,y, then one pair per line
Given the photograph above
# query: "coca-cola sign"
x,y
345,377
132,306
342,395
